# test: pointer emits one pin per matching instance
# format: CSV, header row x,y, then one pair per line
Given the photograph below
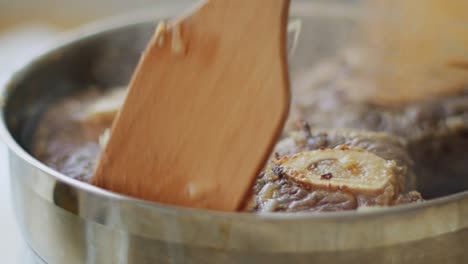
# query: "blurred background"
x,y
65,14
29,25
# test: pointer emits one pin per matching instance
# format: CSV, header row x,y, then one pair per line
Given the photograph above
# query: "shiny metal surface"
x,y
66,221
15,48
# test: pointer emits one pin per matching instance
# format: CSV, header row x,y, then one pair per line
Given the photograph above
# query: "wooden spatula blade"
x,y
204,108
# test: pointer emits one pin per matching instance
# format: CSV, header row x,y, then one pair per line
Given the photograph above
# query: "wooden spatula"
x,y
205,106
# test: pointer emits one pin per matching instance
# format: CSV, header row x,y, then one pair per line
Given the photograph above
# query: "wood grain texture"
x,y
197,126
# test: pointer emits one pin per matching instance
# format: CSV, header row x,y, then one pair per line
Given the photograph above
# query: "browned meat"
x,y
65,142
357,169
436,129
68,135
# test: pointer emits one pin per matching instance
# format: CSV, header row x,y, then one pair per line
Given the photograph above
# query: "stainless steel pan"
x,y
66,221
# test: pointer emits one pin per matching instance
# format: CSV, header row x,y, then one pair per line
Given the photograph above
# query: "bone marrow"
x,y
334,170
